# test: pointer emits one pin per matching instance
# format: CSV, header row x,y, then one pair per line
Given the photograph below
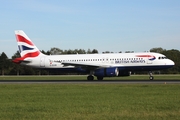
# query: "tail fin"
x,y
27,49
25,45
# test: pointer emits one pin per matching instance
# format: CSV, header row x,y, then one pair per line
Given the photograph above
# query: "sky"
x,y
105,25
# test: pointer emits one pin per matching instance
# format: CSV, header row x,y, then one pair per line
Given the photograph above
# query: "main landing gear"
x,y
90,77
150,76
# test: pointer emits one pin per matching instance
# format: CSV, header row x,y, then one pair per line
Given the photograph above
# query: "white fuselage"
x,y
153,61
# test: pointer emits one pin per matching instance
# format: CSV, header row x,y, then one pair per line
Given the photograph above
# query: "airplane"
x,y
99,65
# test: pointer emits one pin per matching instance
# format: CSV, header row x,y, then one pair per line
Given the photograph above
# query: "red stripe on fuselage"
x,y
144,56
22,39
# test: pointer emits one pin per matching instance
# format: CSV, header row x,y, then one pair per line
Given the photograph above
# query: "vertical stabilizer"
x,y
26,47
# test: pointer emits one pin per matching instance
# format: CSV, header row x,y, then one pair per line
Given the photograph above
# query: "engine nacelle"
x,y
106,72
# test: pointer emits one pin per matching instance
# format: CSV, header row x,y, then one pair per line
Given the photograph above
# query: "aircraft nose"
x,y
170,62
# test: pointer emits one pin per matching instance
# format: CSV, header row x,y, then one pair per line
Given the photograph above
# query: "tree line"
x,y
7,67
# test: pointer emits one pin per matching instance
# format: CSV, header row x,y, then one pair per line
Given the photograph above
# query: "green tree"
x,y
56,51
89,51
4,63
46,53
158,50
69,51
106,52
16,67
94,51
81,51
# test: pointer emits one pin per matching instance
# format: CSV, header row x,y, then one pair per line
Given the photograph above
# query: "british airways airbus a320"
x,y
99,65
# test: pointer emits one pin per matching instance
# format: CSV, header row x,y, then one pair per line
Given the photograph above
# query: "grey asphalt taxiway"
x,y
89,82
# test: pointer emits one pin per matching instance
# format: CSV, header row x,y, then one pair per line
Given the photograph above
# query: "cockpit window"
x,y
163,57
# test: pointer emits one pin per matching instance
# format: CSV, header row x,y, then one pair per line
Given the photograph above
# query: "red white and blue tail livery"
x,y
26,48
99,65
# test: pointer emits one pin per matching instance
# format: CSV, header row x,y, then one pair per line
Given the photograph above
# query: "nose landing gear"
x,y
150,76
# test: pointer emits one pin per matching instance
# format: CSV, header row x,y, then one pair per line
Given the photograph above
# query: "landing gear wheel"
x,y
151,78
99,78
90,77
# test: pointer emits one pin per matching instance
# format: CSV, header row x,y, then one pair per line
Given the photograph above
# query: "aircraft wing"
x,y
89,65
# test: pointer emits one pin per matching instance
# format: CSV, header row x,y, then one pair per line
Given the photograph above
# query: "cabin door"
x,y
42,62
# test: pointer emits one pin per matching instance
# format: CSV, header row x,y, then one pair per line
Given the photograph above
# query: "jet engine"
x,y
107,72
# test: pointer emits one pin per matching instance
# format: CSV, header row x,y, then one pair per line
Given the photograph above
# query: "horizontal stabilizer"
x,y
19,60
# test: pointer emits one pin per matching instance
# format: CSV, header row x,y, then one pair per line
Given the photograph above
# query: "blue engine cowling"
x,y
107,72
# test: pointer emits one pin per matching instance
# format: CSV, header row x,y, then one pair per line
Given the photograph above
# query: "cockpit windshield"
x,y
163,57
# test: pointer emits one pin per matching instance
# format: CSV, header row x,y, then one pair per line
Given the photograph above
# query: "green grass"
x,y
89,102
84,77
